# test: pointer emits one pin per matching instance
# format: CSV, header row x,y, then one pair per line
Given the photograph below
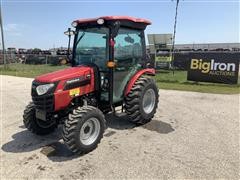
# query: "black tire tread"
x,y
70,127
132,101
30,123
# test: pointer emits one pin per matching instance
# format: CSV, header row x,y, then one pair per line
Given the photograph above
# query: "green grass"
x,y
26,70
165,79
178,81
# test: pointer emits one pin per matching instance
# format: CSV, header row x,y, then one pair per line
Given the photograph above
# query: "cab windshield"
x,y
91,46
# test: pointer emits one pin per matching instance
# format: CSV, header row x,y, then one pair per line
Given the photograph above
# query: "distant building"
x,y
202,47
210,46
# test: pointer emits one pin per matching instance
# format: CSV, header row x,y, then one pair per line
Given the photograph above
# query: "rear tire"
x,y
83,129
142,101
35,125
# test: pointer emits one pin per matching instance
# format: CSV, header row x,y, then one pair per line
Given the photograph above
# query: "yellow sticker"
x,y
74,92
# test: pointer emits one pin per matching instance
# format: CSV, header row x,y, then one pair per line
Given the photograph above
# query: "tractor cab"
x,y
116,46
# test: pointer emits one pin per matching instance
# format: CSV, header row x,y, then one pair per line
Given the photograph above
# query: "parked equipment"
x,y
109,69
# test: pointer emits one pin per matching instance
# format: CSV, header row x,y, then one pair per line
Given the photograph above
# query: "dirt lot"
x,y
193,135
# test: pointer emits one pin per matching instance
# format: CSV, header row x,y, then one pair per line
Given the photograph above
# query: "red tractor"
x,y
110,68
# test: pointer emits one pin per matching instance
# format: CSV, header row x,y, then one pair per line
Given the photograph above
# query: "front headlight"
x,y
42,89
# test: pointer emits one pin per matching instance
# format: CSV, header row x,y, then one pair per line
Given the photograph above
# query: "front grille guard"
x,y
43,102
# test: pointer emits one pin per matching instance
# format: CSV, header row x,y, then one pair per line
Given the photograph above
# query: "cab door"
x,y
128,55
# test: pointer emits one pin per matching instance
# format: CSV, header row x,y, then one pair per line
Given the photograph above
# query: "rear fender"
x,y
148,71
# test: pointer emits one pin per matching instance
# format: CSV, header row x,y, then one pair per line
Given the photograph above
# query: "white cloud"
x,y
13,29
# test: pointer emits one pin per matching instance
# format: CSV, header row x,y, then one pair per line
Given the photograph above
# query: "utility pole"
x,y
174,33
3,46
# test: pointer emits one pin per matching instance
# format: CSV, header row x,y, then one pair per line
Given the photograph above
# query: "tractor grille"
x,y
44,102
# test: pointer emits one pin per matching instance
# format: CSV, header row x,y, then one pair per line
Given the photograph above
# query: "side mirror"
x,y
115,29
69,33
129,39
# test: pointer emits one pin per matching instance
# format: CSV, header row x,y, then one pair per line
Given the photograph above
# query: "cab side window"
x,y
128,48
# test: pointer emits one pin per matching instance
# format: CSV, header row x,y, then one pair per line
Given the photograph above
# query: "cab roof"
x,y
114,18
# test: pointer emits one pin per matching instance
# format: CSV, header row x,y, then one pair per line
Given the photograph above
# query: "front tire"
x,y
142,101
83,129
35,125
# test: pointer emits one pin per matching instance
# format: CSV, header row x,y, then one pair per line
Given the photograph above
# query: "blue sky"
x,y
40,24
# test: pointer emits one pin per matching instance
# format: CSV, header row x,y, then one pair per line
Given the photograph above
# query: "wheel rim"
x,y
149,100
89,131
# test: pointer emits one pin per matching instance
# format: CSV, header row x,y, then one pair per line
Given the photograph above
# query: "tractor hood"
x,y
67,73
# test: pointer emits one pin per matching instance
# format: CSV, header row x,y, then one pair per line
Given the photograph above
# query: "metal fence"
x,y
181,59
33,59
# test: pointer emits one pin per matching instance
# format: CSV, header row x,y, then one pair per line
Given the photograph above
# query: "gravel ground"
x,y
193,135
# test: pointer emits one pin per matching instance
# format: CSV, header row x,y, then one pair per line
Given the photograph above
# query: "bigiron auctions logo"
x,y
213,68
